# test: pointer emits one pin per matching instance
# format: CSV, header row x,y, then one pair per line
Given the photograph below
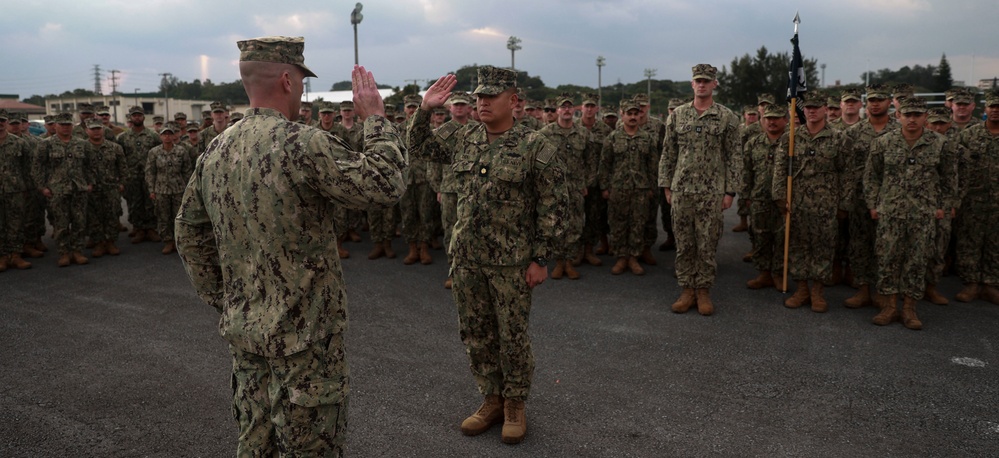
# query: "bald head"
x,y
273,85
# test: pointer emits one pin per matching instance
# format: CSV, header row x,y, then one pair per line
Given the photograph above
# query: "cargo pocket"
x,y
316,416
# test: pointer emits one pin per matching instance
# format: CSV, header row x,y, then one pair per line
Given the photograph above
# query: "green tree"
x,y
762,73
943,79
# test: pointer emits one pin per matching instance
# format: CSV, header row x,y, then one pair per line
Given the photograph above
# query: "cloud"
x,y
293,24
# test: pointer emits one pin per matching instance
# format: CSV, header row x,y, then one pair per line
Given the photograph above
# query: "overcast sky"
x,y
51,46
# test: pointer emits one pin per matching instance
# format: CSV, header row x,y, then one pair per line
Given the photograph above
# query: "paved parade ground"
x,y
120,359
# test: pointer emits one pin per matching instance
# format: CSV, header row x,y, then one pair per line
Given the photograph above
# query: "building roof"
x,y
15,105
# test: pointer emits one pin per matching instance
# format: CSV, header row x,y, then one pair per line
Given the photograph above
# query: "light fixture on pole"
x,y
649,73
513,44
600,66
355,18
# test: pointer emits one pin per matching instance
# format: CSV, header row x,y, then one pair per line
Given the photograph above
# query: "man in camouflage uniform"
x,y
748,130
817,173
49,126
33,216
104,206
700,173
104,115
977,255
610,117
290,377
939,120
137,142
579,154
219,115
899,93
86,111
417,202
856,144
850,104
910,179
512,200
522,117
168,169
63,171
595,225
305,113
833,110
759,154
627,177
656,130
353,133
963,105
15,190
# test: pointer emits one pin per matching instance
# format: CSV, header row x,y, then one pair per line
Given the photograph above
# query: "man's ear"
x,y
286,82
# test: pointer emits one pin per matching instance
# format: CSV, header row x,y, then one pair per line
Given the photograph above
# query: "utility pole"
x,y
97,79
513,44
166,98
600,66
355,18
823,67
114,90
649,73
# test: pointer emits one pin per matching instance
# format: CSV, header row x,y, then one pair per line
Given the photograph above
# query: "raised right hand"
x,y
439,92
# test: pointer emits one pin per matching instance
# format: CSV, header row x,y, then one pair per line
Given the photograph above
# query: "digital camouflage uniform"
x,y
906,185
701,162
35,203
766,223
167,174
110,170
595,223
657,131
15,190
578,152
628,166
512,202
66,170
418,201
977,255
442,179
137,145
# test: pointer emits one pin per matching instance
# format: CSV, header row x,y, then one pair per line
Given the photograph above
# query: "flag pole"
x,y
793,83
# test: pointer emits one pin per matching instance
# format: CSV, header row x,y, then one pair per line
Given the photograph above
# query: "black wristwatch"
x,y
541,261
730,194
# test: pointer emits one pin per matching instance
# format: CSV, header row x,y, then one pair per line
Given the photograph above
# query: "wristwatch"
x,y
541,261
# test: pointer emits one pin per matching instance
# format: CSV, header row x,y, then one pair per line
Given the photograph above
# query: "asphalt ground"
x,y
119,358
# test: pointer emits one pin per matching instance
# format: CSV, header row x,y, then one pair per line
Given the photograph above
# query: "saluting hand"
x,y
439,92
367,100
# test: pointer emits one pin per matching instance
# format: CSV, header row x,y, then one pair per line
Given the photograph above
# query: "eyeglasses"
x,y
549,110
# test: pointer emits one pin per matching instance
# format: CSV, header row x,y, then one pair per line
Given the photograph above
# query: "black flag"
x,y
796,86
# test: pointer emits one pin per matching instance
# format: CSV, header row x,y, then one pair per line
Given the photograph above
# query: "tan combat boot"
x,y
169,247
748,257
340,250
425,257
448,283
112,248
559,270
764,280
413,256
819,304
571,271
30,251
4,259
704,305
63,260
990,294
40,246
909,318
934,296
604,246
837,273
889,310
515,422
578,260
489,414
99,250
634,267
139,237
647,257
685,302
861,299
969,293
18,263
435,243
377,251
591,258
353,236
389,252
153,236
620,265
743,225
78,258
800,297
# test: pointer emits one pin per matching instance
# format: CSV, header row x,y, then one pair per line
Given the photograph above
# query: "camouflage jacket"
x,y
701,153
136,147
656,129
440,176
108,160
167,172
758,156
530,122
955,129
256,230
512,196
628,161
978,168
15,164
817,171
910,182
206,136
353,136
63,167
856,143
579,154
838,124
749,131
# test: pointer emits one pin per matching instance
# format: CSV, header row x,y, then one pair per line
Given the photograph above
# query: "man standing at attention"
x,y
512,201
700,172
257,237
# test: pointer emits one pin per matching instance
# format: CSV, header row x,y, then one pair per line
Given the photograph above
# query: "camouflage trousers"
x,y
494,307
651,227
167,206
812,243
767,226
418,213
666,212
596,217
103,208
627,213
12,222
941,242
697,225
904,247
569,246
977,254
34,215
140,208
292,406
69,220
449,216
863,232
381,223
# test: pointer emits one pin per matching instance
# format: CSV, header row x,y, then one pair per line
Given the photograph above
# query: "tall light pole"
x,y
649,73
166,96
823,67
137,97
513,44
355,18
600,66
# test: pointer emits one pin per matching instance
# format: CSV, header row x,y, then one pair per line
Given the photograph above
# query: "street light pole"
x,y
355,18
166,95
649,73
513,44
137,97
600,66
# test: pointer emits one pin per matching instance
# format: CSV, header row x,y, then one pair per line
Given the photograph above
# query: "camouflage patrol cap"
x,y
64,118
629,104
814,99
282,50
563,98
171,127
775,111
17,117
205,114
459,97
94,123
412,100
327,107
103,109
305,106
642,99
349,105
550,103
609,113
521,95
235,116
179,115
400,115
192,127
901,91
136,109
949,93
495,80
850,94
912,104
439,110
85,108
939,114
389,110
964,95
218,106
992,98
591,98
673,103
531,105
158,118
49,119
878,91
748,109
3,114
832,102
706,71
765,98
